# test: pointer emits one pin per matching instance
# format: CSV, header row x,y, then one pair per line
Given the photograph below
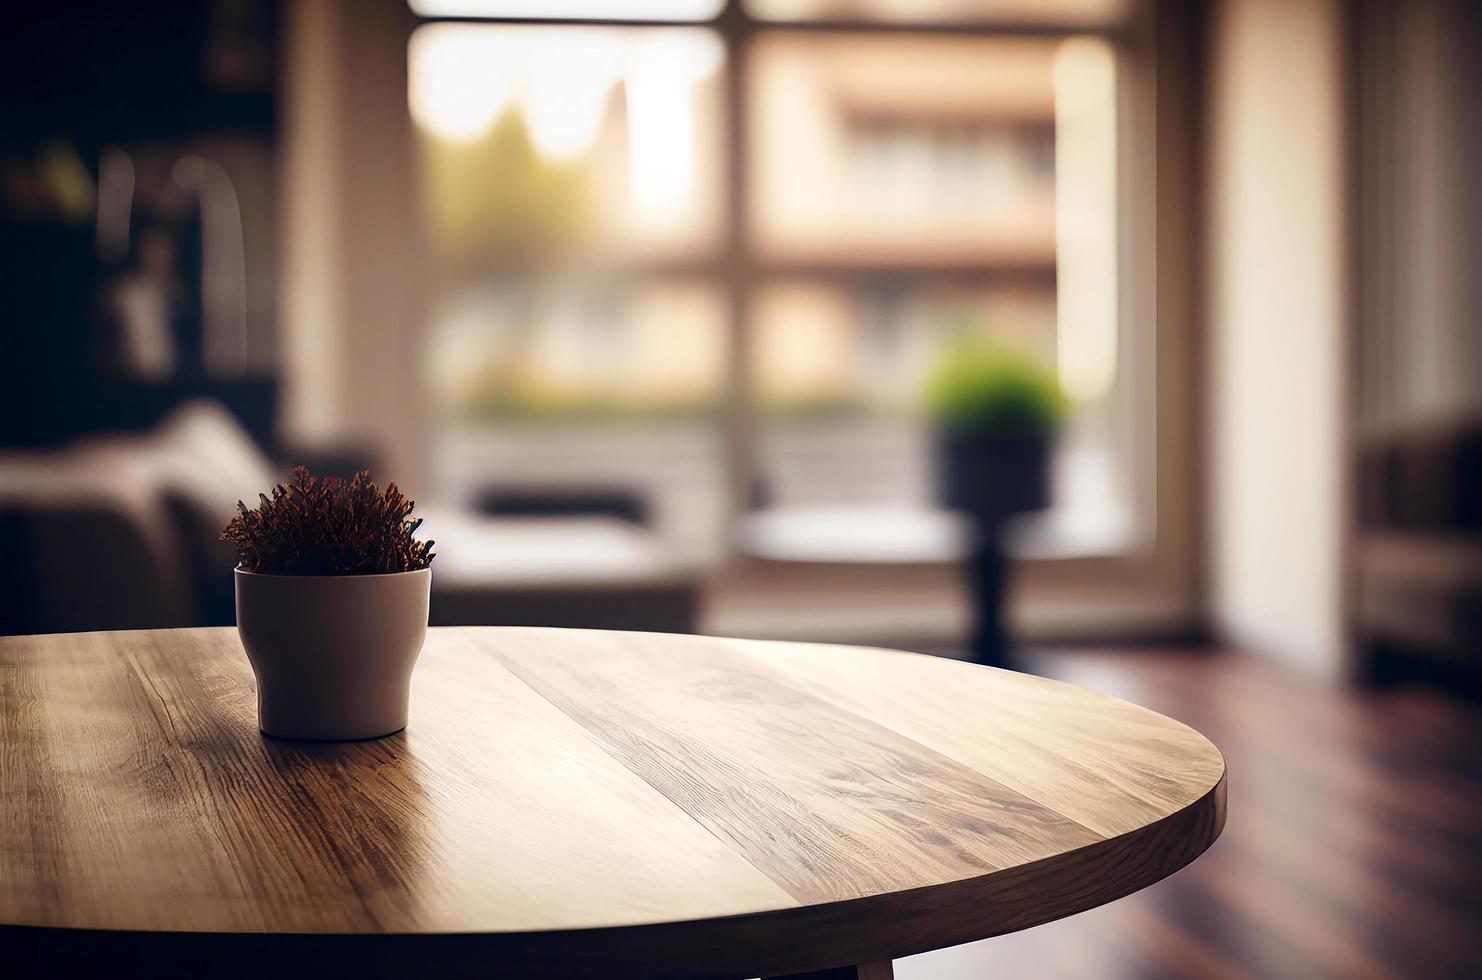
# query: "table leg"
x,y
878,970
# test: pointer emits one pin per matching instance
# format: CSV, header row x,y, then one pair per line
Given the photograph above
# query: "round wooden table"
x,y
570,802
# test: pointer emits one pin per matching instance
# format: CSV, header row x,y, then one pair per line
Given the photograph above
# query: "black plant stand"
x,y
986,569
991,477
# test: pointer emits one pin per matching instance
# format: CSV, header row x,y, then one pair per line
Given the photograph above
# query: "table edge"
x,y
777,941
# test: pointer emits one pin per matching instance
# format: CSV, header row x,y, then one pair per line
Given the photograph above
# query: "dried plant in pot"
x,y
332,594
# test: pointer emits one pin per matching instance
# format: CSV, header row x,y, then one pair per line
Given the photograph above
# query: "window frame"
x,y
740,270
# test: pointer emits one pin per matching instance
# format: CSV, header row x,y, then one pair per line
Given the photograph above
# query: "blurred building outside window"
x,y
687,258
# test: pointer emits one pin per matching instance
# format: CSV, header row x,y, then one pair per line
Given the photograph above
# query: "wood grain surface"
x,y
571,802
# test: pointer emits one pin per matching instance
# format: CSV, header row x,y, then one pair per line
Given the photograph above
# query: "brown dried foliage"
x,y
328,527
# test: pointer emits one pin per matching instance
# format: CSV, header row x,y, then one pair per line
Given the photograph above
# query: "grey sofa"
x,y
121,533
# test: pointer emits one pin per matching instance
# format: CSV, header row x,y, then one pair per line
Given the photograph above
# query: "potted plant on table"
x,y
995,412
332,593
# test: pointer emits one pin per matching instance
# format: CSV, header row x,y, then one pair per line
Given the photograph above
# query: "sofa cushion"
x,y
206,464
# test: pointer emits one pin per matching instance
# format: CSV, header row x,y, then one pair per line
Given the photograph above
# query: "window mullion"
x,y
739,422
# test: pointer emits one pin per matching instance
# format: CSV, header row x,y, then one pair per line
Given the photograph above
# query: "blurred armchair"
x,y
121,532
1417,554
82,553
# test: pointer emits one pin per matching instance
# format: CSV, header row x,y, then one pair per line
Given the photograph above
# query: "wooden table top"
x,y
577,801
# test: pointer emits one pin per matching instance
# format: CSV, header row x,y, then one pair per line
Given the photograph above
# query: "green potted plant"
x,y
332,591
995,411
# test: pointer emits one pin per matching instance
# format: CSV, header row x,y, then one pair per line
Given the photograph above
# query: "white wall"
x,y
1275,317
353,257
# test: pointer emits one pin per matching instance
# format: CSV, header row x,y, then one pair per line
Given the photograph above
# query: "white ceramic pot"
x,y
333,654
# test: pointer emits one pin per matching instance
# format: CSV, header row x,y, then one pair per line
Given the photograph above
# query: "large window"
x,y
707,256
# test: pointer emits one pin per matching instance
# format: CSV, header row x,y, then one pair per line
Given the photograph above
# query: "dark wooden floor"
x,y
1353,848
